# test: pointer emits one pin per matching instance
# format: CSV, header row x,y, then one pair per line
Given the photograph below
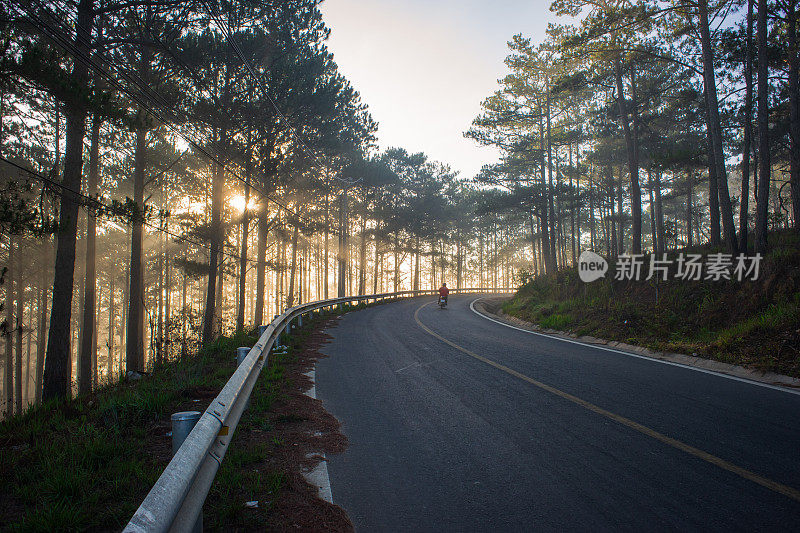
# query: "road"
x,y
457,423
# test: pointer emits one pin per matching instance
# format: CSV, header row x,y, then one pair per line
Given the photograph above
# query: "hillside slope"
x,y
753,323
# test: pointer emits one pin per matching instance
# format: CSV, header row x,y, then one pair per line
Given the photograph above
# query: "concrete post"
x,y
182,425
241,353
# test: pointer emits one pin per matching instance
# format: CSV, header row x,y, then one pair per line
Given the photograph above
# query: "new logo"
x,y
591,266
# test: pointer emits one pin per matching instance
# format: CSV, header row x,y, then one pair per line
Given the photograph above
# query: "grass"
x,y
245,474
751,323
87,463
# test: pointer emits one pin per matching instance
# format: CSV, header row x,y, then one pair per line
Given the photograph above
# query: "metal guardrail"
x,y
176,500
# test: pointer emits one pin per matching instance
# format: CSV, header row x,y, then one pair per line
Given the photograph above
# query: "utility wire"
x,y
69,46
228,34
96,202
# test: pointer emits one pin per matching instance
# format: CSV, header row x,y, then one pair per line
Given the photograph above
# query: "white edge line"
x,y
629,354
319,475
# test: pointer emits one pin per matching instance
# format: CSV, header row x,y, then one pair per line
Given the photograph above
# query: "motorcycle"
x,y
442,302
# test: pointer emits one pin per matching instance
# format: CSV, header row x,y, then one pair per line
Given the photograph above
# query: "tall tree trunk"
x,y
301,276
304,254
28,356
591,209
185,313
605,224
636,191
543,209
713,181
123,323
633,165
794,107
651,187
715,130
362,258
376,267
219,299
8,330
134,343
279,271
18,326
111,329
87,354
94,345
160,325
396,263
550,191
433,264
245,229
57,360
689,208
620,213
615,251
748,131
459,272
214,255
480,257
327,239
763,131
167,300
577,203
572,208
342,253
41,331
532,225
261,268
660,233
290,300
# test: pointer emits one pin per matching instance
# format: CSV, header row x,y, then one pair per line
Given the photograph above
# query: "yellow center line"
x,y
691,450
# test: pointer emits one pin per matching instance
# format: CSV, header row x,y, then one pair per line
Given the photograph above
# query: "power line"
x,y
89,200
227,32
69,46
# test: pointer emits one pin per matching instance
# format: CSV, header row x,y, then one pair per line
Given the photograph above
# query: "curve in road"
x,y
458,423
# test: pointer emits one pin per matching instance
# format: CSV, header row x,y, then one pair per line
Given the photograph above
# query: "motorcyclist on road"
x,y
443,292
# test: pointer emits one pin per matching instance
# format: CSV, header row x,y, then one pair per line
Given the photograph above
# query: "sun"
x,y
237,202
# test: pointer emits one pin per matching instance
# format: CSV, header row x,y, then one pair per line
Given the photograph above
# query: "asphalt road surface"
x,y
457,423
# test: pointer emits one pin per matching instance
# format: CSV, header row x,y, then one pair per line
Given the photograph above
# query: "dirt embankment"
x,y
87,463
275,447
751,323
302,431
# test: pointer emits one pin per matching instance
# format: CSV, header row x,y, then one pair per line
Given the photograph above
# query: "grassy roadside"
x,y
86,464
279,437
751,323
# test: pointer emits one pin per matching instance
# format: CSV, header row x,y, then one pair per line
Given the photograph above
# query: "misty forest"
x,y
173,171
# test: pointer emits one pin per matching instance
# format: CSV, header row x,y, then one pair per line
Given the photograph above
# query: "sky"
x,y
424,66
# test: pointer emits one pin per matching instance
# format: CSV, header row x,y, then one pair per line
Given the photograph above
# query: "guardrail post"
x,y
241,353
300,320
261,330
182,425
